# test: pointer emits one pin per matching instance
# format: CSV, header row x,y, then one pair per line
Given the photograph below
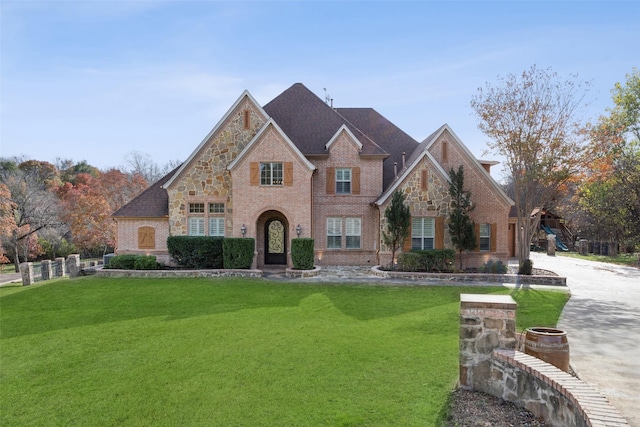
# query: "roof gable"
x,y
254,141
195,154
153,202
350,134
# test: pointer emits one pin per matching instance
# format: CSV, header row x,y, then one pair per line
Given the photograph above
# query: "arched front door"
x,y
275,239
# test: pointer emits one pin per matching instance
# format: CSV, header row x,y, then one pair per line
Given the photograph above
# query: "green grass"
x,y
622,259
137,352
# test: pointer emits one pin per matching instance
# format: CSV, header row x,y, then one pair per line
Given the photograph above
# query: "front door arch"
x,y
275,241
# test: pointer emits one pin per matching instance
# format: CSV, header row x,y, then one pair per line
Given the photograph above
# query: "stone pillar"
x,y
59,267
487,322
73,265
584,247
613,249
47,269
26,268
551,244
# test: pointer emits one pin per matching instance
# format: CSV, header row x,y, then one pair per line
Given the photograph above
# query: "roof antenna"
x,y
327,97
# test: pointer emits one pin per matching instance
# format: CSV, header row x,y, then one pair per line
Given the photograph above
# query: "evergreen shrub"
x,y
200,252
527,268
439,261
494,267
302,253
238,252
133,262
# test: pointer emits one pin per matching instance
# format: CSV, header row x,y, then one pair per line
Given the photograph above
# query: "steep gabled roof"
x,y
257,137
153,202
203,143
310,123
388,136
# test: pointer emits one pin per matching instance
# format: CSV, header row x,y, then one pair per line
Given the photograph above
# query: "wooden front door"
x,y
275,242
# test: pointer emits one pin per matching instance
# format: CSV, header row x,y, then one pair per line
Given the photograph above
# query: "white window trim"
x,y
334,229
426,232
342,180
485,238
272,182
353,228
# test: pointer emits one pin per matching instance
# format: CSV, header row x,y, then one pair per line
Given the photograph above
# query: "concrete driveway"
x,y
602,320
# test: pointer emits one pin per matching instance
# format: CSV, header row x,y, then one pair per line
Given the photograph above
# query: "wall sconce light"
x,y
243,230
298,230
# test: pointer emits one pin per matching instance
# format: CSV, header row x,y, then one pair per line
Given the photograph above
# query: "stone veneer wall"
x,y
206,178
432,203
490,363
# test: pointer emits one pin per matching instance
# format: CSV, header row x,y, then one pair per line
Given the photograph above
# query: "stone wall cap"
x,y
487,301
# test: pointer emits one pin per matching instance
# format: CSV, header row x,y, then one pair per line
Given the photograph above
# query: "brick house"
x,y
299,167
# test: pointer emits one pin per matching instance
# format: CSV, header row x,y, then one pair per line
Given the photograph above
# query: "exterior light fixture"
x,y
243,230
298,230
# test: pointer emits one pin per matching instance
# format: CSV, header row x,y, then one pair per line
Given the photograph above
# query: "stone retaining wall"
x,y
177,273
476,277
490,363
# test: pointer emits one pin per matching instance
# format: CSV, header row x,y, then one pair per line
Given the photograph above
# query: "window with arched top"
x,y
146,237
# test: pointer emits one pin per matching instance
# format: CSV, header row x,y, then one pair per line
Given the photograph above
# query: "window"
x,y
485,237
422,233
343,181
196,207
216,226
353,232
271,173
334,233
216,208
196,226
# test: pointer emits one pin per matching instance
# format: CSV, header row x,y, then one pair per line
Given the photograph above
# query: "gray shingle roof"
x,y
153,202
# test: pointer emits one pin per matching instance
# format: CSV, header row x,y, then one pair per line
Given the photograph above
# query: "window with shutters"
x,y
271,173
353,231
485,237
343,181
422,233
334,233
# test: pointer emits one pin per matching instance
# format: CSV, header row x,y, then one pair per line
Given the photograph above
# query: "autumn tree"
x,y
461,226
609,191
32,208
139,163
532,121
398,216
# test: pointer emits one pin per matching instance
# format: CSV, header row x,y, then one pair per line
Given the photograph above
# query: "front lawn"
x,y
234,352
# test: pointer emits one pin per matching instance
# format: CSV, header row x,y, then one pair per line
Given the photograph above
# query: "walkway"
x,y
602,320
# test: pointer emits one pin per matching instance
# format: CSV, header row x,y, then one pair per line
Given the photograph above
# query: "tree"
x,y
609,190
139,163
461,226
32,208
531,119
398,217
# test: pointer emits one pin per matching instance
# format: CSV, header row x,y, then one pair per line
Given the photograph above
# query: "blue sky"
x,y
93,80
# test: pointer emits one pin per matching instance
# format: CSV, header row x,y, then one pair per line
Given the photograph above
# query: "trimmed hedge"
x,y
438,261
302,253
133,262
238,252
494,267
200,252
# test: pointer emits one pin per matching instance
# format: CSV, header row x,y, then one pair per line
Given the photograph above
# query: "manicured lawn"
x,y
622,259
234,352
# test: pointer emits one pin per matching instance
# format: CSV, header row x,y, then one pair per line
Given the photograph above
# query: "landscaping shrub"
x,y
302,253
494,267
133,262
196,251
439,261
527,267
238,252
145,262
122,262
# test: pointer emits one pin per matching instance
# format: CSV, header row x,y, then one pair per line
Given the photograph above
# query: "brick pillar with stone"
x,y
47,269
551,244
73,265
26,269
487,322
